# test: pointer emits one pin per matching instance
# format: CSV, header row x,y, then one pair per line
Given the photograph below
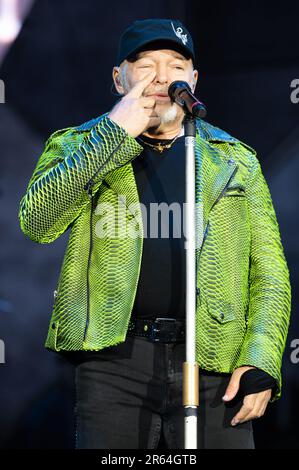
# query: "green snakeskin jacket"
x,y
243,297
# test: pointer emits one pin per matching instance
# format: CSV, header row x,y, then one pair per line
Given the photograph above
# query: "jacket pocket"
x,y
237,191
221,310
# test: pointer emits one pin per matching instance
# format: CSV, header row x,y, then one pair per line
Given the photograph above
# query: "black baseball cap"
x,y
155,32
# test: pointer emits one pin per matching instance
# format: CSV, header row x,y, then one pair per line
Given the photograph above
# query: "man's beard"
x,y
167,116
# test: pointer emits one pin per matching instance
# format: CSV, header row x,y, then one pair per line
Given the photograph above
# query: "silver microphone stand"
x,y
190,367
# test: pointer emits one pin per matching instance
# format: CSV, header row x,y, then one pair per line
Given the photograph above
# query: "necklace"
x,y
159,147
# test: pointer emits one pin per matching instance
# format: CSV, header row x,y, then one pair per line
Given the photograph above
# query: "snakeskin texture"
x,y
243,286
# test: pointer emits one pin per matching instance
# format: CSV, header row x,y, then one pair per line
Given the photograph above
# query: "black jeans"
x,y
128,394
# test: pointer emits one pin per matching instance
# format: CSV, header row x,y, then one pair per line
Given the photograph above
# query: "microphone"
x,y
180,92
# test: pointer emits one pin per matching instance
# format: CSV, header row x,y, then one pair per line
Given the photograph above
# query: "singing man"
x,y
119,305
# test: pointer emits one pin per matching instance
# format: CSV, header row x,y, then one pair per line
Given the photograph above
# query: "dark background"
x,y
58,74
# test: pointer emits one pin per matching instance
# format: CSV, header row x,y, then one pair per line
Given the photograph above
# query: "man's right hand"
x,y
134,112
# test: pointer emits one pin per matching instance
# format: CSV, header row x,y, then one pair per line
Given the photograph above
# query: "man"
x,y
119,306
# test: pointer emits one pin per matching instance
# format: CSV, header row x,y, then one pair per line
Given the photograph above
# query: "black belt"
x,y
165,330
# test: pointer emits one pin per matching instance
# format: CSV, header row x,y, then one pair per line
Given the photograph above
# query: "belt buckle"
x,y
153,336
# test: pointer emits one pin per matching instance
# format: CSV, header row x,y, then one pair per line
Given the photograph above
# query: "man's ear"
x,y
194,80
116,75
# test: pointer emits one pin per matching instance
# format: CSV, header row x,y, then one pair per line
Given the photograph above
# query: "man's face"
x,y
169,66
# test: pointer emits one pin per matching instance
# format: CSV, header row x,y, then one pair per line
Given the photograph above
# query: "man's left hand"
x,y
254,405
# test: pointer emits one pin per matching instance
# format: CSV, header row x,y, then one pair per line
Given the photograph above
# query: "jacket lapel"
x,y
212,174
123,182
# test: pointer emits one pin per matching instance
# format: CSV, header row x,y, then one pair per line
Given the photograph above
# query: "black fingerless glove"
x,y
256,380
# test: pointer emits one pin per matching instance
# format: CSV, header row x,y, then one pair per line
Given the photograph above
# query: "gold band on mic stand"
x,y
190,384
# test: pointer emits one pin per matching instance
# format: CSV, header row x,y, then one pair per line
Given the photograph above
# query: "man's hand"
x,y
135,112
254,405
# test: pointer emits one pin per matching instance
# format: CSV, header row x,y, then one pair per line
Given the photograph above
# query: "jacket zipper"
x,y
88,188
89,192
208,227
223,191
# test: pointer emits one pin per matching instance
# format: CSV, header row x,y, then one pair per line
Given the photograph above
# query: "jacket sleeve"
x,y
269,284
70,169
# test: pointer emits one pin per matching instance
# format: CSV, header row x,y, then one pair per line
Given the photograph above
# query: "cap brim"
x,y
157,43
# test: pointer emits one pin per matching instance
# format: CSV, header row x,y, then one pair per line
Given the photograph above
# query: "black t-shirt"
x,y
160,178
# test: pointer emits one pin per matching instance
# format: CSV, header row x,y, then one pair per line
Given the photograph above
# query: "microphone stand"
x,y
190,367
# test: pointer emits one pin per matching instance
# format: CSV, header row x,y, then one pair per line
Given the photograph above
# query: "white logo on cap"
x,y
178,32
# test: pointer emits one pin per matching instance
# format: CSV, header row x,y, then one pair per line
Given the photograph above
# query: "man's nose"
x,y
161,75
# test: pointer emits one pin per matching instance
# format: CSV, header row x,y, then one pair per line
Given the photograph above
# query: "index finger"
x,y
249,404
141,85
